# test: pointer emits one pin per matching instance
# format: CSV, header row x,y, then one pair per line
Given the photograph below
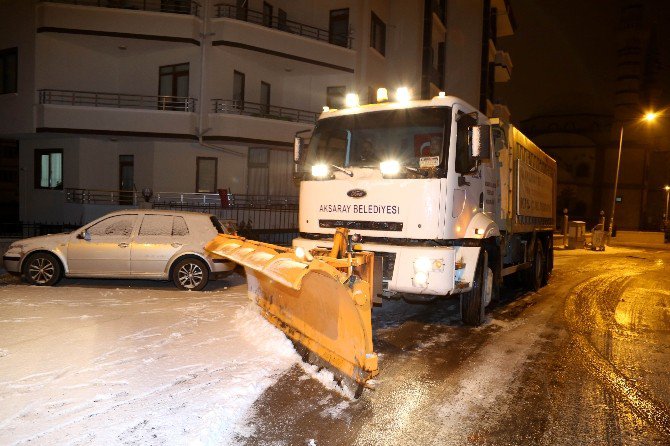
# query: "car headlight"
x,y
423,264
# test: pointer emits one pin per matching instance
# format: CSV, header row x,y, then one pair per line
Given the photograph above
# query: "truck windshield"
x,y
415,137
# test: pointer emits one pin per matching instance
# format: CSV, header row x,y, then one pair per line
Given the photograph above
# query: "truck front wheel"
x,y
473,303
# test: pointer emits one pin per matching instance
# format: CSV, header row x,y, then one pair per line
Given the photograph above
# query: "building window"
x,y
238,90
265,98
267,14
205,174
8,70
281,20
335,97
242,9
48,168
173,87
338,27
258,171
377,34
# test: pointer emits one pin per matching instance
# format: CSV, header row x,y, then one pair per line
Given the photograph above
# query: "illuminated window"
x,y
49,169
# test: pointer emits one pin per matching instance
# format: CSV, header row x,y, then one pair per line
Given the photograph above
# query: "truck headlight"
x,y
320,170
423,264
420,279
391,167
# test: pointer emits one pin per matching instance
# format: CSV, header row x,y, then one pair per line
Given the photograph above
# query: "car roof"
x,y
159,212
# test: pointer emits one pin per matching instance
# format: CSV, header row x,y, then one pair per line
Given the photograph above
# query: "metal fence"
x,y
281,23
116,100
34,229
263,111
268,218
93,196
172,6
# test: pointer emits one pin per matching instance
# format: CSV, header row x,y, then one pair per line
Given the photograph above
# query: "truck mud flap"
x,y
322,304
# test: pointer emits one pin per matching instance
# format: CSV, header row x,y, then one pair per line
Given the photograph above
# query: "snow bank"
x,y
107,365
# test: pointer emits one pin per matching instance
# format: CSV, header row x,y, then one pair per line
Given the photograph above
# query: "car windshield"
x,y
412,136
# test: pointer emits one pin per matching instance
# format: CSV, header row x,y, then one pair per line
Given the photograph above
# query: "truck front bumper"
x,y
416,269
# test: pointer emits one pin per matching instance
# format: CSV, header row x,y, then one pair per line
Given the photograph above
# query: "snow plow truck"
x,y
421,200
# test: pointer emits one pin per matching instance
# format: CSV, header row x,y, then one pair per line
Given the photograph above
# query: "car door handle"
x,y
123,245
176,245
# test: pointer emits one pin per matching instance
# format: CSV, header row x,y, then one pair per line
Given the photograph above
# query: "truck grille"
x,y
388,264
362,224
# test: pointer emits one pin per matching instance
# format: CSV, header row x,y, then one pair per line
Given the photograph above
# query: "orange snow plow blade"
x,y
323,304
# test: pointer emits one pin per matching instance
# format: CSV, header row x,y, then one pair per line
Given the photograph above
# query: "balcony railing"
x,y
172,6
116,100
282,24
264,111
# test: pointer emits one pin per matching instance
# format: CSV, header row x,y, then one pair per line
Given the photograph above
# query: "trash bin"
x,y
576,234
597,238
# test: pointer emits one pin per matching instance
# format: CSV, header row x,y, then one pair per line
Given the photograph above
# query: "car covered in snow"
x,y
133,243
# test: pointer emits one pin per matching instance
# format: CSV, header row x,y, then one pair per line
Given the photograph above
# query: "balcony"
x,y
503,66
279,42
264,111
59,110
169,6
281,24
248,121
505,23
160,20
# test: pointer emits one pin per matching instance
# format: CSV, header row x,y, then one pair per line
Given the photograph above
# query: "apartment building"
x,y
198,96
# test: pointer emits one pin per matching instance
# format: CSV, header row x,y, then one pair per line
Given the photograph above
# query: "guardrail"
x,y
116,100
171,6
282,24
263,111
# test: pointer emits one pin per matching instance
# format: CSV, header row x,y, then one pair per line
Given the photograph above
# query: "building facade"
x,y
105,98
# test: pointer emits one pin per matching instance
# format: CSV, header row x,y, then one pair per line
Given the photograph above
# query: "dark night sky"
x,y
564,55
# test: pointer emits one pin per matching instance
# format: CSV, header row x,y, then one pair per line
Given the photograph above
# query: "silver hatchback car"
x,y
147,244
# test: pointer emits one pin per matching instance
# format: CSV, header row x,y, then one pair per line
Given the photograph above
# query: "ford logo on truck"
x,y
357,193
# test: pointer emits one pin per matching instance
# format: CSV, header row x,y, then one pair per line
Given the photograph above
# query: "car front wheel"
x,y
190,274
42,269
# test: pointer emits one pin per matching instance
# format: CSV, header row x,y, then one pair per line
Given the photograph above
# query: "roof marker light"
x,y
326,108
442,94
402,94
351,100
382,94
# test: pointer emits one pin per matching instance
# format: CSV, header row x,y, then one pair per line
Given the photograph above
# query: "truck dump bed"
x,y
527,185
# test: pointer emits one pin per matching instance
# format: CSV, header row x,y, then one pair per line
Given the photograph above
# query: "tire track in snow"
x,y
601,287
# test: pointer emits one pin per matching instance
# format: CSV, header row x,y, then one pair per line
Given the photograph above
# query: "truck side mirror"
x,y
480,142
298,148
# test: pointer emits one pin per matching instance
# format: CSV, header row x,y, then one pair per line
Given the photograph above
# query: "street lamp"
x,y
667,200
649,117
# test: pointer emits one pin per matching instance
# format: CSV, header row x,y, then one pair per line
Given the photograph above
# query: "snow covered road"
x,y
111,362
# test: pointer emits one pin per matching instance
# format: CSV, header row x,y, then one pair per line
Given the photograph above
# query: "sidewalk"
x,y
558,243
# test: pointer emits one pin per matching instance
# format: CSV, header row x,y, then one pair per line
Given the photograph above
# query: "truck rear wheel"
x,y
473,302
534,276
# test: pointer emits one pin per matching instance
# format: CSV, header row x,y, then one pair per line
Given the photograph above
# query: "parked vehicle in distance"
x,y
128,244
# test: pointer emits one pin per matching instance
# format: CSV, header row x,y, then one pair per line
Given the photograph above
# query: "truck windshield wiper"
x,y
342,169
423,173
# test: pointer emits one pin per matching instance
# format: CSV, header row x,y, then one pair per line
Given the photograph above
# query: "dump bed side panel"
x,y
528,185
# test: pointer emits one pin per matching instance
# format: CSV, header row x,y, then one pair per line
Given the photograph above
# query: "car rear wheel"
x,y
190,274
42,269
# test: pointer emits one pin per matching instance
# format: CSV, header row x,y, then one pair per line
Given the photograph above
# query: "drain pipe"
x,y
204,38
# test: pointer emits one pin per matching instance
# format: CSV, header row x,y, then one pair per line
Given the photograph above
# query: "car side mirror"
x,y
84,235
480,142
